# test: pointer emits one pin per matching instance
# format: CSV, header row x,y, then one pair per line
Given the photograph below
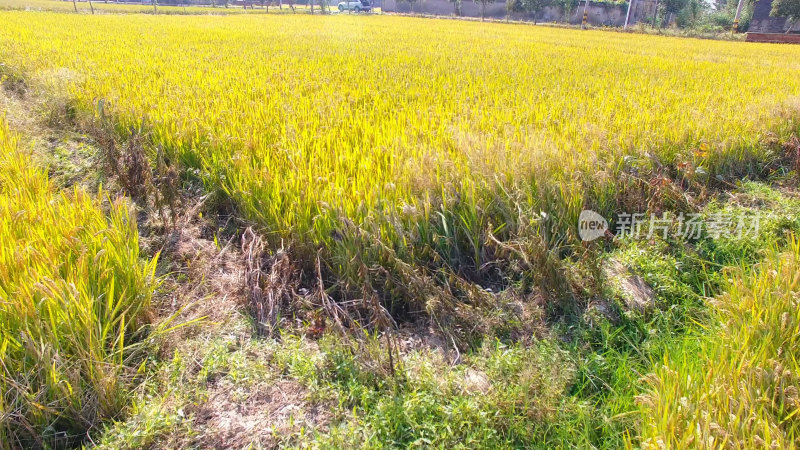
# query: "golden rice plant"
x,y
73,291
339,131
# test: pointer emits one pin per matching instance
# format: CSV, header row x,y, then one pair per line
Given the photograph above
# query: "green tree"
x,y
787,8
456,7
690,15
535,6
483,7
569,7
512,6
672,7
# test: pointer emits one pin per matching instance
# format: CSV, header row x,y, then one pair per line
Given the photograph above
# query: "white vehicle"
x,y
355,5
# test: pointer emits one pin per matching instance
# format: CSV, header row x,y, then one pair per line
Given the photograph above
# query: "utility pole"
x,y
628,15
738,16
585,20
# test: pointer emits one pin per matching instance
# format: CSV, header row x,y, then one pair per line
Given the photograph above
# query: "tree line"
x,y
700,15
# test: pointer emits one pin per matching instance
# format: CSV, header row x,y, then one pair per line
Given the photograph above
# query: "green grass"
x,y
578,385
613,355
735,385
498,396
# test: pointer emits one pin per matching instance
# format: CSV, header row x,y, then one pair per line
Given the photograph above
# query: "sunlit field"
x,y
402,172
388,122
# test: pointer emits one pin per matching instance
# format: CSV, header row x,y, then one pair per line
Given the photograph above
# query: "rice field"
x,y
401,150
303,121
425,165
385,120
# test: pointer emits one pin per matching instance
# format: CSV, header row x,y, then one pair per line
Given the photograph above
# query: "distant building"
x,y
762,22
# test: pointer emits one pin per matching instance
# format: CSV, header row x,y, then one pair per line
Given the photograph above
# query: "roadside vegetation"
x,y
103,7
393,260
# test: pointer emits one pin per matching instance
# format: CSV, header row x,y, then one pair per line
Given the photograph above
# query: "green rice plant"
x,y
73,298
